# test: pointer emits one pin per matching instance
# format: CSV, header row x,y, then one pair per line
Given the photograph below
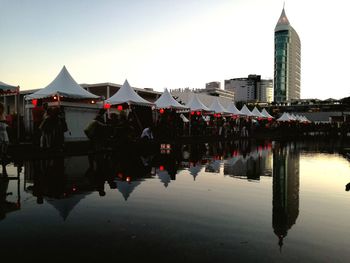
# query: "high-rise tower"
x,y
287,61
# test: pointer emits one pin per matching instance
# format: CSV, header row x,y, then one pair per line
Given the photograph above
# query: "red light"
x,y
120,108
107,106
120,175
35,102
218,115
198,113
192,112
161,168
269,119
161,111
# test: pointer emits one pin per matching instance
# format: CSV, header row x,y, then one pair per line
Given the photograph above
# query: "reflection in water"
x,y
285,189
250,162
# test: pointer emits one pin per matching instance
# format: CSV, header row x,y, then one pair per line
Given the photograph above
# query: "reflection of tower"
x,y
285,190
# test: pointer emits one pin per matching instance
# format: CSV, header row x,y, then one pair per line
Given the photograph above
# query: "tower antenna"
x,y
284,3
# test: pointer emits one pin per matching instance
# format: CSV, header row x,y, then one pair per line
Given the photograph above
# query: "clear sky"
x,y
170,43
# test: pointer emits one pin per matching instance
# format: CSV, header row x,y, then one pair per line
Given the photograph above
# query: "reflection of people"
x,y
5,206
4,140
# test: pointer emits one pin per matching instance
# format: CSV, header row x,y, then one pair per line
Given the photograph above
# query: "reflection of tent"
x,y
66,205
217,107
196,105
246,111
213,167
194,170
126,188
127,94
167,101
63,85
164,177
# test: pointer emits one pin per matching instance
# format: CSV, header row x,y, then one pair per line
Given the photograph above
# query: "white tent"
x,y
233,110
217,107
267,115
246,111
127,94
7,89
285,117
196,105
167,101
257,113
63,85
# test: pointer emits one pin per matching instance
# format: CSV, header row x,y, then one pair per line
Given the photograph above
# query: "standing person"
x,y
47,129
38,114
4,140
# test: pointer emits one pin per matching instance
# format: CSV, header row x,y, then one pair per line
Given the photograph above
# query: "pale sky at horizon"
x,y
174,44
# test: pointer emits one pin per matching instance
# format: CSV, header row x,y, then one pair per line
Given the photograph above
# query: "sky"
x,y
170,43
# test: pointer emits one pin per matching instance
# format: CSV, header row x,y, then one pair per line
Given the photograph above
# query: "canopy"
x,y
217,107
267,115
63,85
196,105
285,117
246,111
167,101
233,110
257,113
127,94
7,89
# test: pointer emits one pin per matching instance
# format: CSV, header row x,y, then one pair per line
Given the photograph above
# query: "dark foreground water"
x,y
246,202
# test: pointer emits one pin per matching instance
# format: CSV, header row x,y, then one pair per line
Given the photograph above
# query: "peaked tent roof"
x,y
267,115
233,109
63,85
127,94
167,101
195,104
6,88
217,107
246,111
257,113
285,117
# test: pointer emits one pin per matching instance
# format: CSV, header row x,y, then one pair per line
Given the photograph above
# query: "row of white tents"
x,y
64,86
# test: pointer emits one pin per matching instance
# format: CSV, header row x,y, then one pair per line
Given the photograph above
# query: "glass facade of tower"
x,y
281,66
287,61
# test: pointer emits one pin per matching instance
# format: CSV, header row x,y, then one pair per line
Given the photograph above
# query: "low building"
x,y
250,89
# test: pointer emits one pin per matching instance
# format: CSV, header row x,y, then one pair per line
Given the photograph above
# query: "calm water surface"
x,y
246,202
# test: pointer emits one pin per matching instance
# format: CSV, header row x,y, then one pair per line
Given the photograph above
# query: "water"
x,y
247,202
